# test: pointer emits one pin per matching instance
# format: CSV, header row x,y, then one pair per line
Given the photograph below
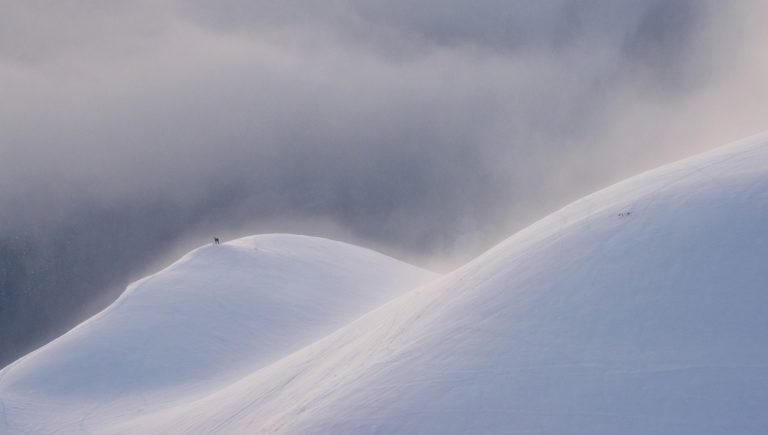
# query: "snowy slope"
x,y
218,313
642,308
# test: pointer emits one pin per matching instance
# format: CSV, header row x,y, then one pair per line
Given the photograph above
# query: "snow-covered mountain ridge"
x,y
642,308
210,318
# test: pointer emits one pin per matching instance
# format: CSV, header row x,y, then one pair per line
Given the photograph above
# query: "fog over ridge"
x,y
428,130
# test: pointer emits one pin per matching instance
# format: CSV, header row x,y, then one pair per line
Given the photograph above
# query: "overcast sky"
x,y
428,126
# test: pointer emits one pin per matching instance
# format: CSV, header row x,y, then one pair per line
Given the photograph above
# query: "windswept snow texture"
x,y
217,314
642,308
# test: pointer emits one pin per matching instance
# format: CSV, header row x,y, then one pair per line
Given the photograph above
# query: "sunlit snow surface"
x,y
642,308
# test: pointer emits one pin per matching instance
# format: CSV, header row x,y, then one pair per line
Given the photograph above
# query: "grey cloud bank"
x,y
428,130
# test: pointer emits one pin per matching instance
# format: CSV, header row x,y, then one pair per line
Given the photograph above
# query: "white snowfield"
x,y
216,315
642,308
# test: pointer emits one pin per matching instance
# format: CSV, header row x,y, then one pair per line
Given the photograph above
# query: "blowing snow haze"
x,y
429,130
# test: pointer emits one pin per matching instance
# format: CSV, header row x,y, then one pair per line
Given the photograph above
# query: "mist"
x,y
427,130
